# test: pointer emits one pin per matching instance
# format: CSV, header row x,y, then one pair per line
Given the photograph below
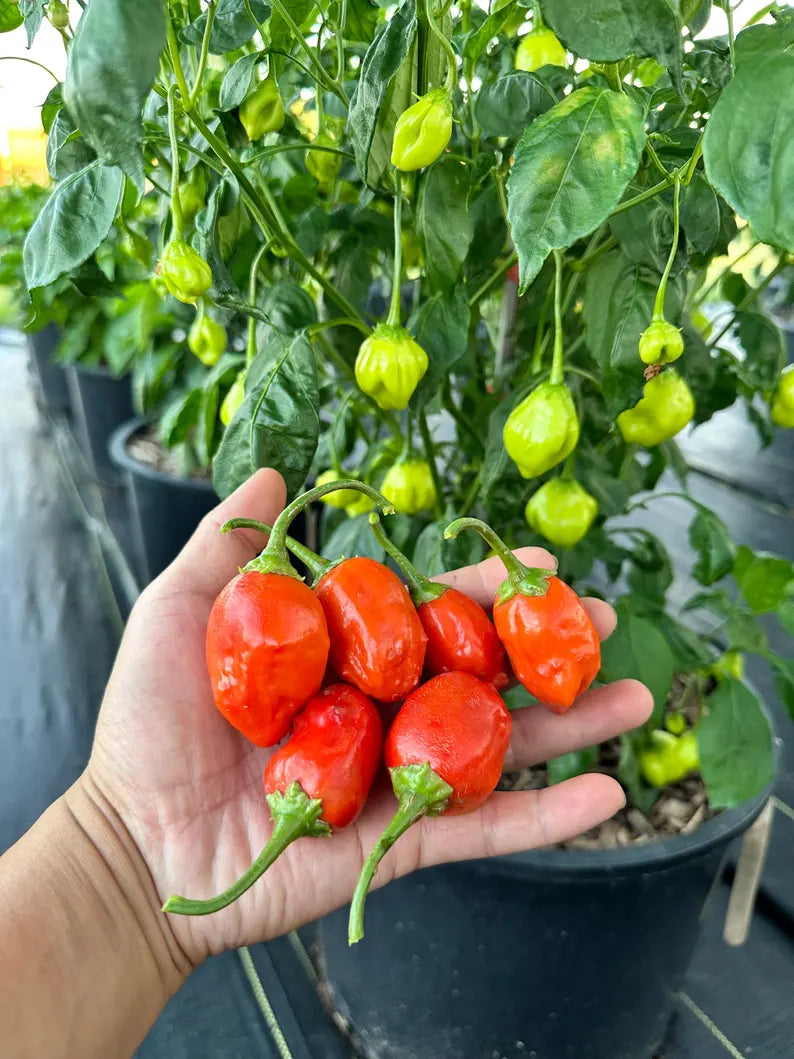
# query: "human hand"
x,y
187,787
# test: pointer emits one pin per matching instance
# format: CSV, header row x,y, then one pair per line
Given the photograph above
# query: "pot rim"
x,y
639,858
117,448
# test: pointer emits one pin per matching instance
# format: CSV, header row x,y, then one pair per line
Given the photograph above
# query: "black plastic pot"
x,y
51,376
100,403
550,954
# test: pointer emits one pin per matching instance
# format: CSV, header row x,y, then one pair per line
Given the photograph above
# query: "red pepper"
x,y
550,639
267,636
461,637
445,752
318,780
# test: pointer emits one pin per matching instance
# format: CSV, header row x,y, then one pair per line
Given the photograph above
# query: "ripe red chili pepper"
x,y
445,752
267,636
549,637
461,637
318,780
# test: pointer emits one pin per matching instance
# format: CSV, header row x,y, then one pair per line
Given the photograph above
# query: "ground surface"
x,y
64,595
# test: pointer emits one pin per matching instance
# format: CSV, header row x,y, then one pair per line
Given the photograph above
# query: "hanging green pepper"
x,y
422,131
729,666
263,110
665,408
409,486
324,166
389,366
562,511
206,338
539,48
192,195
783,399
184,271
542,430
349,500
669,758
661,342
58,14
233,399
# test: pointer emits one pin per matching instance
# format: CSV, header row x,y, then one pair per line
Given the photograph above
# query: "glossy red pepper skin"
x,y
461,638
458,725
377,641
551,642
267,649
333,752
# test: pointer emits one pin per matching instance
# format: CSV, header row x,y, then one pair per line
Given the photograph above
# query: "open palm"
x,y
188,787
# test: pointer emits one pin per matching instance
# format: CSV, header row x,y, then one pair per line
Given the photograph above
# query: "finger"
x,y
599,714
509,822
481,580
602,615
211,559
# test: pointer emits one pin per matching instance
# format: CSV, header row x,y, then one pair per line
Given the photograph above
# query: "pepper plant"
x,y
473,249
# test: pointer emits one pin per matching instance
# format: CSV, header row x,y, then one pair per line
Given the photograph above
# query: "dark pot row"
x,y
548,954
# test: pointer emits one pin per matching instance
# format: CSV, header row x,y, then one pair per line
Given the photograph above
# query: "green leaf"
x,y
237,81
443,223
289,307
113,61
637,649
709,537
434,555
573,764
302,11
639,792
51,106
651,572
441,327
610,30
376,104
33,10
764,350
700,215
477,41
764,580
785,615
747,147
67,150
10,16
506,106
179,418
571,168
232,27
735,745
762,42
353,536
277,425
784,680
74,221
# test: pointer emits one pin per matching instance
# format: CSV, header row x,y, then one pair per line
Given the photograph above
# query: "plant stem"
x,y
557,372
729,268
430,456
643,196
250,349
338,321
731,36
176,202
176,62
493,280
471,495
421,588
314,563
658,305
320,73
452,59
25,59
393,319
205,47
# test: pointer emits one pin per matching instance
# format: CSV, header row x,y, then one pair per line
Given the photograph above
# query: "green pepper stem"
x,y
205,47
250,348
449,51
557,373
314,563
658,305
295,815
176,201
420,791
527,580
393,319
422,589
274,558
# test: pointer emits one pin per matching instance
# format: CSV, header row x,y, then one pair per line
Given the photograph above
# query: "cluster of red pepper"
x,y
318,665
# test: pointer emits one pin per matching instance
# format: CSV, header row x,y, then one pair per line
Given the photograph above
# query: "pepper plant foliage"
x,y
498,234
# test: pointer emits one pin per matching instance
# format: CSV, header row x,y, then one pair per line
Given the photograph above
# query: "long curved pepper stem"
x,y
527,580
314,563
421,588
295,815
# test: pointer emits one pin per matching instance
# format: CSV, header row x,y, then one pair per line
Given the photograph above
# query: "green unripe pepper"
x,y
348,500
360,506
409,486
207,339
665,408
422,131
192,195
324,166
389,366
562,511
542,430
661,342
539,48
668,758
233,399
10,16
184,271
58,14
729,666
263,110
783,399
